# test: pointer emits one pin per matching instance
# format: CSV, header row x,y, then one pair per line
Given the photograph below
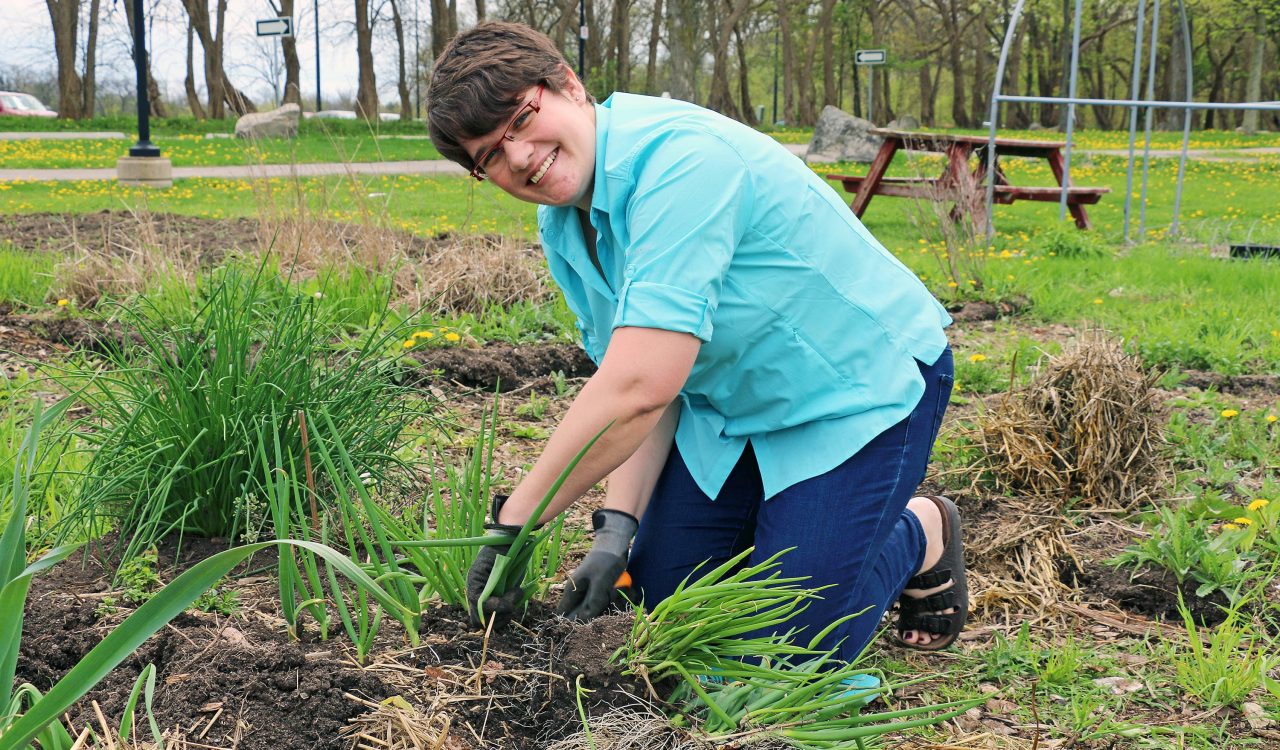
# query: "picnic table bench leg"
x,y
965,183
879,166
1057,163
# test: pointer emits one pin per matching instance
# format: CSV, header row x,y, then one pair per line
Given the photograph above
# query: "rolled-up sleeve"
x,y
691,206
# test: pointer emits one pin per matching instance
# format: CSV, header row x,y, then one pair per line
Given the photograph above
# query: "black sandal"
x,y
917,613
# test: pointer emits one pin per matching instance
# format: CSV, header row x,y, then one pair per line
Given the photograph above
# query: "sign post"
x,y
282,26
870,57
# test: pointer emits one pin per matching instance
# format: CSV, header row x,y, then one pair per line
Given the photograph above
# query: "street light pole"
x,y
775,75
582,41
144,146
315,11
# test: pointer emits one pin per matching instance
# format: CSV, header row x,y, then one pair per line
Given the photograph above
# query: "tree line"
x,y
783,59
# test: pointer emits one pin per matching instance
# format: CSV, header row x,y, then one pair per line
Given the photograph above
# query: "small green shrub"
x,y
1064,240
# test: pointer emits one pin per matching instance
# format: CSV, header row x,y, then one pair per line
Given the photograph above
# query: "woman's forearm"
x,y
641,374
631,484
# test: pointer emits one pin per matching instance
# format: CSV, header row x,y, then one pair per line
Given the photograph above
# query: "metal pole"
x,y
144,146
582,41
1158,103
1186,118
1135,90
775,75
315,10
871,93
994,113
417,61
1071,113
1146,148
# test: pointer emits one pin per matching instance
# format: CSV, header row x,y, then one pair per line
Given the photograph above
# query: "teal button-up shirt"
x,y
811,329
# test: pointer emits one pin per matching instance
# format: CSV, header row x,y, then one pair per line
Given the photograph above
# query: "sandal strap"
x,y
931,603
929,579
941,625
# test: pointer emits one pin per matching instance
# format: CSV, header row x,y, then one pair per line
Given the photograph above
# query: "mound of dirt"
x,y
503,366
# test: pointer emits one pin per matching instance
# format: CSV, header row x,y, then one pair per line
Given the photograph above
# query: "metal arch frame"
x,y
1133,103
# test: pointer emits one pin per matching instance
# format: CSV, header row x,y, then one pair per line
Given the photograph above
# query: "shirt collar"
x,y
600,193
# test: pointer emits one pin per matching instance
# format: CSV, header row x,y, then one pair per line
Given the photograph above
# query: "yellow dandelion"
x,y
408,344
63,302
423,335
1097,301
452,337
1258,504
952,284
1273,418
977,357
1243,521
1229,527
1229,413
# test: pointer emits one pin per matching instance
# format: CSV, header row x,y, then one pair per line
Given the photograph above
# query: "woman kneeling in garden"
x,y
774,376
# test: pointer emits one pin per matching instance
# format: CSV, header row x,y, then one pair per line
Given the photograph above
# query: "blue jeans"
x,y
850,527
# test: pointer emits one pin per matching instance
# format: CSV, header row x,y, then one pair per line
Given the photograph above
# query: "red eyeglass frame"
x,y
534,104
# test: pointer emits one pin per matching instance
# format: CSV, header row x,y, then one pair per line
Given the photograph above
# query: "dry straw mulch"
x,y
1087,426
1086,430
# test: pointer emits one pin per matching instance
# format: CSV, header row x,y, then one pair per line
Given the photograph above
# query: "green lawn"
x,y
186,150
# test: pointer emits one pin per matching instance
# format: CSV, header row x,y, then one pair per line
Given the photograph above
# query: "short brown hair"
x,y
478,79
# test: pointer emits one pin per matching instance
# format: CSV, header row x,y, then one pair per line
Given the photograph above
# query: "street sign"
x,y
866,56
282,26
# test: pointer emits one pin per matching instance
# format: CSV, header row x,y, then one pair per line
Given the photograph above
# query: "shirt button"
x,y
630,270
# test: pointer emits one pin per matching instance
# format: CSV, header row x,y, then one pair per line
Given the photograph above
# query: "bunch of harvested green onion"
x,y
733,680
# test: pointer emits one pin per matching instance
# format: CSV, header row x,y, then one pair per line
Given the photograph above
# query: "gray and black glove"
x,y
505,605
590,588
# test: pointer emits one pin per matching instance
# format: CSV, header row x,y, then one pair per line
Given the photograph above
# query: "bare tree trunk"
x,y
981,88
440,32
720,98
367,88
402,84
744,79
788,63
620,44
1253,91
480,11
193,97
198,15
65,15
827,29
292,66
655,30
239,102
89,91
927,94
806,114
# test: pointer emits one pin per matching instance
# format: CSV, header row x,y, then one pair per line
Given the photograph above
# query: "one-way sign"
x,y
282,26
867,56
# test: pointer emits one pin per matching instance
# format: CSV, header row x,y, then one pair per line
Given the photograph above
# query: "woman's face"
x,y
552,159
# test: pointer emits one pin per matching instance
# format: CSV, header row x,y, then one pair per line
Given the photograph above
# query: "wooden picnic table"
x,y
961,183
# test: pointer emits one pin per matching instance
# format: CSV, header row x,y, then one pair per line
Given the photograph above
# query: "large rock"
x,y
839,136
905,122
278,123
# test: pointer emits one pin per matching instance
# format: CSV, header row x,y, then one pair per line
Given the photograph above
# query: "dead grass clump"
x,y
394,724
1086,426
129,255
472,272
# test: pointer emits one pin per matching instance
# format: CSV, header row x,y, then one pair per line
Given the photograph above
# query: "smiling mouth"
x,y
537,176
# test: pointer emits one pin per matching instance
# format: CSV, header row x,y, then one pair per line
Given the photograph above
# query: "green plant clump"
x,y
179,412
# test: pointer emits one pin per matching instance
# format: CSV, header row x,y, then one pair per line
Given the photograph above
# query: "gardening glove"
x,y
590,588
504,606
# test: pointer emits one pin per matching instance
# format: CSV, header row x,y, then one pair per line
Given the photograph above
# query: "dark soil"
x,y
243,682
1149,592
206,239
504,367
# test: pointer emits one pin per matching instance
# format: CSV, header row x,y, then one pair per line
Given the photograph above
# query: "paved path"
x,y
438,166
441,166
70,135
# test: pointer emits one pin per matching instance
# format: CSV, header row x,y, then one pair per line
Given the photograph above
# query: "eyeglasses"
x,y
518,123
